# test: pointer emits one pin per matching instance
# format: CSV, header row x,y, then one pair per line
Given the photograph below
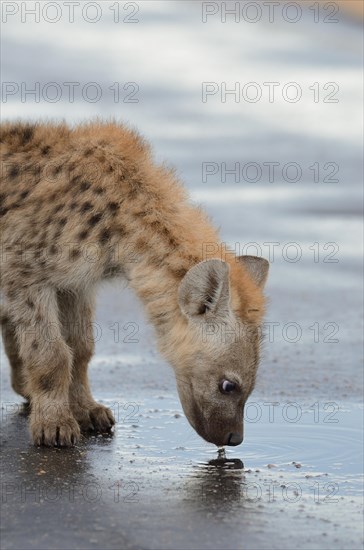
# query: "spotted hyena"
x,y
68,191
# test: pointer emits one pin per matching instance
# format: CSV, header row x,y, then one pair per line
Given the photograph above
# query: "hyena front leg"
x,y
77,312
18,378
47,362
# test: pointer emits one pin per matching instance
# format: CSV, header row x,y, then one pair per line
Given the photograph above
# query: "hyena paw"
x,y
59,431
94,418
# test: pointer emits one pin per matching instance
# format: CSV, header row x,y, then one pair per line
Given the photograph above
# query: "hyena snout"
x,y
228,433
235,439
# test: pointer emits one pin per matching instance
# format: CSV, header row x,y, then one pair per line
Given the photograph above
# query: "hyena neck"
x,y
174,244
155,279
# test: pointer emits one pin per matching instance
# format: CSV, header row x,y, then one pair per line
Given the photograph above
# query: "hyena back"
x,y
84,204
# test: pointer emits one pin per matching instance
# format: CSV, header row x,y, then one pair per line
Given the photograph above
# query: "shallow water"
x,y
154,468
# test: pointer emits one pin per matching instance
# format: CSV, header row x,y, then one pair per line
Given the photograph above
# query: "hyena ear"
x,y
205,291
257,268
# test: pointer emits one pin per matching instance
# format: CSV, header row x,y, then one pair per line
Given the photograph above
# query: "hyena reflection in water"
x,y
65,190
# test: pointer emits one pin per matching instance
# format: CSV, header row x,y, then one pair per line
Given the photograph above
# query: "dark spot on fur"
x,y
14,171
74,179
56,170
2,197
73,205
85,185
45,150
122,231
62,222
165,233
57,208
23,133
75,253
99,190
104,236
179,272
173,242
28,133
86,207
24,194
83,234
53,249
95,219
35,345
88,152
3,211
113,206
29,303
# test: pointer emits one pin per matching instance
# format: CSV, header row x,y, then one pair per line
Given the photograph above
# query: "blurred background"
x,y
259,106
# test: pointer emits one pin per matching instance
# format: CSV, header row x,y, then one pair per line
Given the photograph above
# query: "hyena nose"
x,y
234,439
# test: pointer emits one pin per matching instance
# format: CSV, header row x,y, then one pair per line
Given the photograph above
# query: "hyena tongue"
x,y
221,454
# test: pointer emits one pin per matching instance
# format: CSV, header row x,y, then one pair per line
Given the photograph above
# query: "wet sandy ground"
x,y
296,480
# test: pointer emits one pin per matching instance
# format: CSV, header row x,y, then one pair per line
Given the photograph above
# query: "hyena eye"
x,y
227,387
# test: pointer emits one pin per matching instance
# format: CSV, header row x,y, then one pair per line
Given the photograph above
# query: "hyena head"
x,y
218,359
